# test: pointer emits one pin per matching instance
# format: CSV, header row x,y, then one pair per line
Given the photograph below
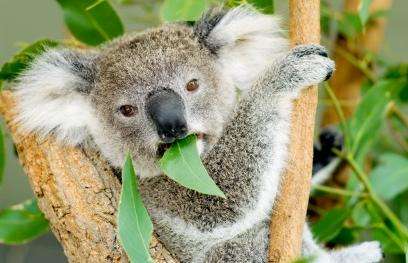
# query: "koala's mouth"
x,y
163,147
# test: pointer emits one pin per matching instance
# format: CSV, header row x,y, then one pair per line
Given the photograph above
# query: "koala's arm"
x,y
248,159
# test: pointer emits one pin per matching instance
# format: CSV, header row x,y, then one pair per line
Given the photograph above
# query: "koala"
x,y
143,91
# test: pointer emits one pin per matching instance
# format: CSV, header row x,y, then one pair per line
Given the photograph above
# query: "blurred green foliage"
x,y
91,22
10,70
22,223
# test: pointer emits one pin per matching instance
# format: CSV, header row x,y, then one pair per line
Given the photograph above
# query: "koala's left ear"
x,y
244,40
52,95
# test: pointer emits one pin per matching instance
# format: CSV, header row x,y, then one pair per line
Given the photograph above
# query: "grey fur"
x,y
246,141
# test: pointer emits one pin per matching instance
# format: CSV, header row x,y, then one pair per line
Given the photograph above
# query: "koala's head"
x,y
141,92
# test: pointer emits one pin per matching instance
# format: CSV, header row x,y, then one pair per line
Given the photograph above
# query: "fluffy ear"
x,y
52,95
245,41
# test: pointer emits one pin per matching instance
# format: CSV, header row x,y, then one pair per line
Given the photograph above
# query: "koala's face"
x,y
140,93
154,88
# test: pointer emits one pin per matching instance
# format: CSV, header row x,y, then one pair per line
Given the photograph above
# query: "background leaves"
x,y
390,178
363,11
91,21
10,70
330,224
22,223
183,10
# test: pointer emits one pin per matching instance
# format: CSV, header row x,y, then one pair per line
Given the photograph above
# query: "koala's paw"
x,y
307,65
367,252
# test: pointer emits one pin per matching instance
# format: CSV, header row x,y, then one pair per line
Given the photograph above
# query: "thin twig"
x,y
337,191
339,111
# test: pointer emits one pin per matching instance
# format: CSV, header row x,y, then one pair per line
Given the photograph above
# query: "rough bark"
x,y
77,192
290,209
348,78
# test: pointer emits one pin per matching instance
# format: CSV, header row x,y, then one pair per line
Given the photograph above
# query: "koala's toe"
x,y
366,252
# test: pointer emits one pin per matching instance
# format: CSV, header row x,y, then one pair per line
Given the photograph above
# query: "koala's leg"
x,y
250,246
366,252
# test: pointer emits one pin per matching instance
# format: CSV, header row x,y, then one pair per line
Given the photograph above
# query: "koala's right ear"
x,y
52,95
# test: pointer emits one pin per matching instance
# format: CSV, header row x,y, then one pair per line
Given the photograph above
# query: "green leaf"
x,y
330,225
135,226
369,116
182,163
2,155
183,10
390,178
399,72
21,60
266,6
22,223
346,236
91,21
400,205
387,239
363,11
360,214
349,25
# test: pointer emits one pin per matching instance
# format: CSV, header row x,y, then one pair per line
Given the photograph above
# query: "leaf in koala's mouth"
x,y
182,163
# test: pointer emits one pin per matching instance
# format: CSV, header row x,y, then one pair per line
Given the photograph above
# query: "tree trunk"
x,y
77,192
290,209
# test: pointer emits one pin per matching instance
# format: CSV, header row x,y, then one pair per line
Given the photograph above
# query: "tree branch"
x,y
77,192
290,209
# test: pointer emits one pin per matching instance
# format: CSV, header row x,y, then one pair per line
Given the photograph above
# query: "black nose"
x,y
166,108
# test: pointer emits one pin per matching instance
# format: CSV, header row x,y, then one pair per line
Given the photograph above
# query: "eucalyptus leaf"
x,y
135,226
345,237
364,11
183,10
182,163
360,214
400,205
91,21
388,245
370,113
22,223
350,25
265,6
11,70
330,225
2,155
390,178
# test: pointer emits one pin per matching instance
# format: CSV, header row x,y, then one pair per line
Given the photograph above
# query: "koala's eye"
x,y
127,110
192,85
